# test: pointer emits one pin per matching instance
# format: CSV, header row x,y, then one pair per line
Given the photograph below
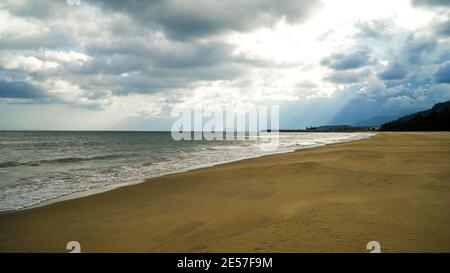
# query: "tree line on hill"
x,y
434,119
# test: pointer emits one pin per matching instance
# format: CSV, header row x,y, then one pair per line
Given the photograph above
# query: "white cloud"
x,y
149,109
67,57
98,56
11,25
27,63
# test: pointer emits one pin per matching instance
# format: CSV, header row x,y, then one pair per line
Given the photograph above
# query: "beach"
x,y
393,188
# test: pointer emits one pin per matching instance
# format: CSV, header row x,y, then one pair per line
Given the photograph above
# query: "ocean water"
x,y
36,166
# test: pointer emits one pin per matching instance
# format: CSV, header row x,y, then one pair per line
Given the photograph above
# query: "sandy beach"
x,y
393,188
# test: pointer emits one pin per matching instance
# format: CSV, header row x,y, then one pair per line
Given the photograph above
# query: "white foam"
x,y
56,186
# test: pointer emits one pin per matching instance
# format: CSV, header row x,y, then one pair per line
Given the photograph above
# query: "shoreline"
x,y
99,190
392,188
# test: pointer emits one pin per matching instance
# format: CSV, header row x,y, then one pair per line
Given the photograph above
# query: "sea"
x,y
40,166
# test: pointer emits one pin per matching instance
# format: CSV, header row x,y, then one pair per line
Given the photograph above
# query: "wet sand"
x,y
393,188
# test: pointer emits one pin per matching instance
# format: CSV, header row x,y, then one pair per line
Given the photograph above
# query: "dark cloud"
x,y
133,67
394,72
443,73
347,77
443,28
151,47
417,48
37,8
168,55
417,77
190,19
166,46
20,90
444,56
49,38
431,2
156,79
114,64
348,60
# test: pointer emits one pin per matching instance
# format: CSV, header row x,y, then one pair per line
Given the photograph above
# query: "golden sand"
x,y
393,188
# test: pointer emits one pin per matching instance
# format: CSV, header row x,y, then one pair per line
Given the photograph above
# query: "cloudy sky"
x,y
122,65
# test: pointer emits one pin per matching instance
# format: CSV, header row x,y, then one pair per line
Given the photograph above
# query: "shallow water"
x,y
40,165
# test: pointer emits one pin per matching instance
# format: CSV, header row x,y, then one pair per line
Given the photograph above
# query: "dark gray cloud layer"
x,y
145,50
398,72
347,60
443,73
163,46
443,28
191,19
348,77
39,9
20,90
431,2
50,38
394,72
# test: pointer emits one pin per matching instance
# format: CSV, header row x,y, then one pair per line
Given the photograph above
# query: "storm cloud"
x,y
347,60
443,73
187,19
20,90
394,72
431,2
137,58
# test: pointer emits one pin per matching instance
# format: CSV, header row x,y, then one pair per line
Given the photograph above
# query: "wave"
x,y
64,160
56,180
7,164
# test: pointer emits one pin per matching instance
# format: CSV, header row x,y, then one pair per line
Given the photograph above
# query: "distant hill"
x,y
330,128
339,128
434,119
376,121
334,128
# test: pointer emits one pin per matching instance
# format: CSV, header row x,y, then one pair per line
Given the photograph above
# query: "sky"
x,y
123,65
